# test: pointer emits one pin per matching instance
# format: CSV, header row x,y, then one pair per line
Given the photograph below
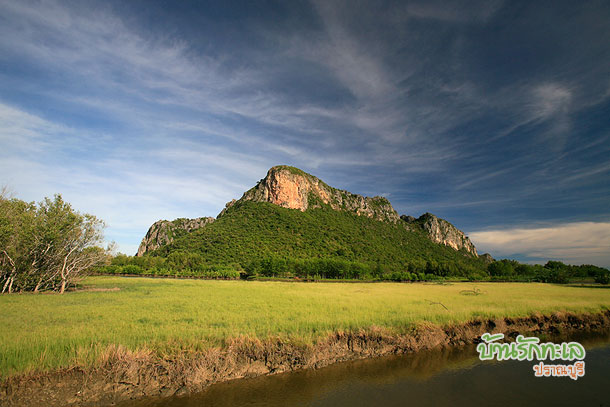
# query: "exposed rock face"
x,y
487,258
407,218
163,232
443,232
292,188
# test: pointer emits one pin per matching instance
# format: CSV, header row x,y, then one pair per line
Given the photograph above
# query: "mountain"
x,y
442,232
164,232
293,214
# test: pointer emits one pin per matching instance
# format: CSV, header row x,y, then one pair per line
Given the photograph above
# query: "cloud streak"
x,y
574,243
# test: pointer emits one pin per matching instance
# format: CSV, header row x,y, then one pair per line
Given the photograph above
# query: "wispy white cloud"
x,y
354,65
20,129
147,80
129,191
476,11
574,243
550,99
95,45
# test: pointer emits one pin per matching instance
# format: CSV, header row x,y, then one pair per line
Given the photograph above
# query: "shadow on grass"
x,y
588,286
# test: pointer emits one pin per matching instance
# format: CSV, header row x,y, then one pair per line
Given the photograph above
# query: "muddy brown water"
x,y
450,377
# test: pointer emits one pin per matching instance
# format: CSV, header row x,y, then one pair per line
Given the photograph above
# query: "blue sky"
x,y
493,115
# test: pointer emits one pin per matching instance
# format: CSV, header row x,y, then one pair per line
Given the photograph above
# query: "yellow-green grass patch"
x,y
46,331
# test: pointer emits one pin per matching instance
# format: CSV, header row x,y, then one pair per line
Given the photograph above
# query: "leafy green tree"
x,y
74,240
18,252
502,268
46,246
603,278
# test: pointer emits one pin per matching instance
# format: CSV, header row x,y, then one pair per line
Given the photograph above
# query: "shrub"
x,y
132,269
603,278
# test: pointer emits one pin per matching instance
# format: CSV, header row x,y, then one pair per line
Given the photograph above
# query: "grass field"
x,y
45,331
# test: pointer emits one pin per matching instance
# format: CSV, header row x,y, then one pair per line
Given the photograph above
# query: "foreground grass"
x,y
45,331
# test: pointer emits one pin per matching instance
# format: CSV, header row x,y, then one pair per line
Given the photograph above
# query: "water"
x,y
441,378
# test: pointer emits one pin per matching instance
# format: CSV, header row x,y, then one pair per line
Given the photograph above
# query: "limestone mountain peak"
x,y
292,188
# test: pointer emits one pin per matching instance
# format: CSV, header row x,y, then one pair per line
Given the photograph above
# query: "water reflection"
x,y
451,377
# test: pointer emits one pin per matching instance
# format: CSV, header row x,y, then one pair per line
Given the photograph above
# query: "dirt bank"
x,y
123,374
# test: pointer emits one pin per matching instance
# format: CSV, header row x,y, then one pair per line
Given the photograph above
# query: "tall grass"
x,y
46,331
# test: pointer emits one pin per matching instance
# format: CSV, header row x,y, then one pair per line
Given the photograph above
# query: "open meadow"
x,y
46,331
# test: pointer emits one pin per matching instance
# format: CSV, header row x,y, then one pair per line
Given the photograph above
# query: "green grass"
x,y
46,331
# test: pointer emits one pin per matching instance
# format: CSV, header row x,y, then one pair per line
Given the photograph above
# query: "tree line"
x,y
551,272
46,245
193,264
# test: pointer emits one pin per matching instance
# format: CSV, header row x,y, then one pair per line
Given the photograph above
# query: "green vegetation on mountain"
x,y
266,239
260,239
164,232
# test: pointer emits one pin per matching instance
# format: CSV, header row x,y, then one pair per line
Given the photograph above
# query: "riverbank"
x,y
446,377
124,374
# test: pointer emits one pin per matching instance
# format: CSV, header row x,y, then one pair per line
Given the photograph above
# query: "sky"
x,y
494,115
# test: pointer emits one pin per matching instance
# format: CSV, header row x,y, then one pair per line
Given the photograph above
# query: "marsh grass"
x,y
42,332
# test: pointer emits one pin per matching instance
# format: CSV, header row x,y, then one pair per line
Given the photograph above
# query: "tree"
x,y
501,268
17,236
73,238
603,278
46,246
